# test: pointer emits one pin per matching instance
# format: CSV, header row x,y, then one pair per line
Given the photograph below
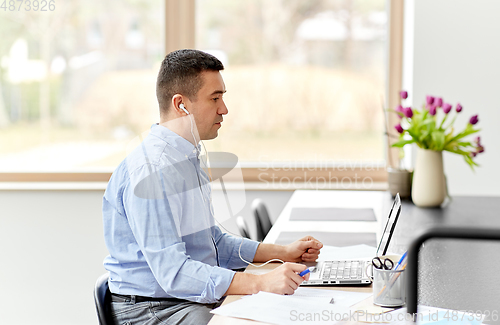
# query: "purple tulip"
x,y
480,149
403,94
472,154
477,140
459,108
439,102
430,100
446,108
399,128
432,110
408,112
400,109
473,120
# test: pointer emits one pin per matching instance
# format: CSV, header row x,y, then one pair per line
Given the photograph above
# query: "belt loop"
x,y
132,300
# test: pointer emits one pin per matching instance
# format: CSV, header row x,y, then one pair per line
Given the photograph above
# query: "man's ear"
x,y
177,100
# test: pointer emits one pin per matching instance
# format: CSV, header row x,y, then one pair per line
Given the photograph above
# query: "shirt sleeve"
x,y
153,217
230,248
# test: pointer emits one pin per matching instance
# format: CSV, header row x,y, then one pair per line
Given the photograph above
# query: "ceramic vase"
x,y
429,185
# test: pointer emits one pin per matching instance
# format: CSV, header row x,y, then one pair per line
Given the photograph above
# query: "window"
x,y
305,79
77,82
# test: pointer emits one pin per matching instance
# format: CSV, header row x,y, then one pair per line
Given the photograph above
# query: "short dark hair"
x,y
180,74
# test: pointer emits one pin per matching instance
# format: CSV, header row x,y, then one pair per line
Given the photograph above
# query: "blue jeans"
x,y
129,312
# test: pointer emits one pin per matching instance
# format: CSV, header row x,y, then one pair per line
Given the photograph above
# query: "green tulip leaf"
x,y
402,143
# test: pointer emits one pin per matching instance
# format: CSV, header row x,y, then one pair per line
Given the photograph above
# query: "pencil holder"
x,y
389,287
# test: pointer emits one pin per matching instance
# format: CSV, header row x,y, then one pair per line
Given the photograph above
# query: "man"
x,y
168,260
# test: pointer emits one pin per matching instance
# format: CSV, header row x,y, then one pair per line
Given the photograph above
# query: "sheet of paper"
x,y
329,253
312,292
368,307
314,308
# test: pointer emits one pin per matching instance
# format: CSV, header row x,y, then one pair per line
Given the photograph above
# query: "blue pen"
x,y
401,260
304,272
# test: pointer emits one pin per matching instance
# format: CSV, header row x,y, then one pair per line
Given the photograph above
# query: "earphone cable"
x,y
211,205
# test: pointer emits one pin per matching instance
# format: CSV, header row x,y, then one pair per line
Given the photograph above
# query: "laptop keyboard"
x,y
337,270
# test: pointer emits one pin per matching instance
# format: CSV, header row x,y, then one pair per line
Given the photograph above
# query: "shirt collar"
x,y
176,141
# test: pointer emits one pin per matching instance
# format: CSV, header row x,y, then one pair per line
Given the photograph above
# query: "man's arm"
x,y
282,280
154,218
233,250
303,250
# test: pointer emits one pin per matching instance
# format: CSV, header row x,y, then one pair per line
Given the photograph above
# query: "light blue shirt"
x,y
158,226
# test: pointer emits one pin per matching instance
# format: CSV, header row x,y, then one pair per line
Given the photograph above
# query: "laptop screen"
x,y
389,226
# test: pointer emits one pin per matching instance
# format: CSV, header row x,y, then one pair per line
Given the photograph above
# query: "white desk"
x,y
445,282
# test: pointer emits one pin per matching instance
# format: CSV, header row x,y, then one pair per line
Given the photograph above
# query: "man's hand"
x,y
306,249
283,280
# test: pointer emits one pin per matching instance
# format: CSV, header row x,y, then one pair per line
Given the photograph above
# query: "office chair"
x,y
102,299
262,219
242,227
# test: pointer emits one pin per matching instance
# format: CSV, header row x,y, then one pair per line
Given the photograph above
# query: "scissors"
x,y
382,264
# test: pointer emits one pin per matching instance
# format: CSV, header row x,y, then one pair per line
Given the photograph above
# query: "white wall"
x,y
52,249
455,54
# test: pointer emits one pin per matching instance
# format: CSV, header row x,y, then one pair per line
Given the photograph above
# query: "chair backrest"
x,y
242,227
262,219
102,299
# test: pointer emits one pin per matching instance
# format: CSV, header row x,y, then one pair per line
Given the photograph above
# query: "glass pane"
x,y
77,81
305,79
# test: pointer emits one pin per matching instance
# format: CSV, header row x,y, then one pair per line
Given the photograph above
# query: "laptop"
x,y
352,272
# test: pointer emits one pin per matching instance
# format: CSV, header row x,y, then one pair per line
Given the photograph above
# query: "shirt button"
x,y
194,150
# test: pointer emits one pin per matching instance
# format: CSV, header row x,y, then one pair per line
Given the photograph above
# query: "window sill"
x,y
53,186
230,186
307,174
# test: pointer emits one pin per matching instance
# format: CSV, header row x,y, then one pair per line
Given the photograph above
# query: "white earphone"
x,y
181,106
